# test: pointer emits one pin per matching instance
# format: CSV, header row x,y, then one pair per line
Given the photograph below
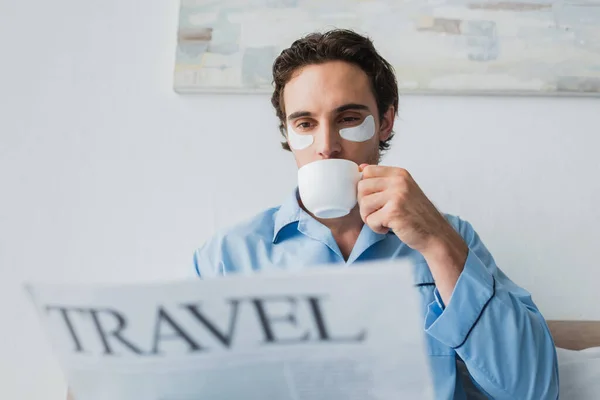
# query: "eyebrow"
x,y
299,114
340,109
351,106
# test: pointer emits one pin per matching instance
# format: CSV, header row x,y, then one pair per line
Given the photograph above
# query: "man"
x,y
475,317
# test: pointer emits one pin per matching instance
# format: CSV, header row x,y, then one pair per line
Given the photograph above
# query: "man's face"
x,y
322,100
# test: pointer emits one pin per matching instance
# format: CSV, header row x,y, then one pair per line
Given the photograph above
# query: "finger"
x,y
371,203
371,185
372,171
377,221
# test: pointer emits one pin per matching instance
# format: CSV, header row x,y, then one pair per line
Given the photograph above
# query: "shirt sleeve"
x,y
197,259
208,260
496,329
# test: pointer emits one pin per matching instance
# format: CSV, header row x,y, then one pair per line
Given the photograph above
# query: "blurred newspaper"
x,y
354,333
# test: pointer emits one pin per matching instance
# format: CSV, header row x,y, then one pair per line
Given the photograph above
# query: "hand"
x,y
389,198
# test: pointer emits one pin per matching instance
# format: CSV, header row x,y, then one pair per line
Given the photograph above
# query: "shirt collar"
x,y
288,213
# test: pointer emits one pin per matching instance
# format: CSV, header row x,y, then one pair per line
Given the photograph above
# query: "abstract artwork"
x,y
547,47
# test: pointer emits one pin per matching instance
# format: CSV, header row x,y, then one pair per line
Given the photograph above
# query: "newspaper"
x,y
350,333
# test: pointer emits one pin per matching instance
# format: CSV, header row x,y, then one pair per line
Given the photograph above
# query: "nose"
x,y
328,142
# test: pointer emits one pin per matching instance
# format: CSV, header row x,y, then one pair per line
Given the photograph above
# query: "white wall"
x,y
107,175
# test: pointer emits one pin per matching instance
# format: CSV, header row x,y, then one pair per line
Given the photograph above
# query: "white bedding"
x,y
579,374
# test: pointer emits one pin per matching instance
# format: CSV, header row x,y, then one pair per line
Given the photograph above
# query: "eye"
x,y
302,126
349,120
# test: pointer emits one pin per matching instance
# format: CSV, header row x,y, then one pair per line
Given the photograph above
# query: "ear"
x,y
387,124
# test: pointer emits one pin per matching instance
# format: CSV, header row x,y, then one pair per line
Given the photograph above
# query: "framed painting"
x,y
534,47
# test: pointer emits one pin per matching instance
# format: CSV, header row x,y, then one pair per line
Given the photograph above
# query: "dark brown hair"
x,y
336,45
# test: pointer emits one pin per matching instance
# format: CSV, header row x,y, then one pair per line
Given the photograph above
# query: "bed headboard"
x,y
575,335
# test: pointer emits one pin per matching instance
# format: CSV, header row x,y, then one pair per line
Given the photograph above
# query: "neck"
x,y
345,230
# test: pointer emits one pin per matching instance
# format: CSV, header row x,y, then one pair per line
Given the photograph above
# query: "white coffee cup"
x,y
327,188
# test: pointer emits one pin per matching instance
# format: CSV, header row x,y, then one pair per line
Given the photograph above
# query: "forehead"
x,y
320,88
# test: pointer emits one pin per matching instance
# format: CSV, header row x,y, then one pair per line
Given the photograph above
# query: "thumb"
x,y
361,167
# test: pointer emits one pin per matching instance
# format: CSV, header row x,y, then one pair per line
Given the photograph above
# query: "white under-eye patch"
x,y
298,142
360,133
